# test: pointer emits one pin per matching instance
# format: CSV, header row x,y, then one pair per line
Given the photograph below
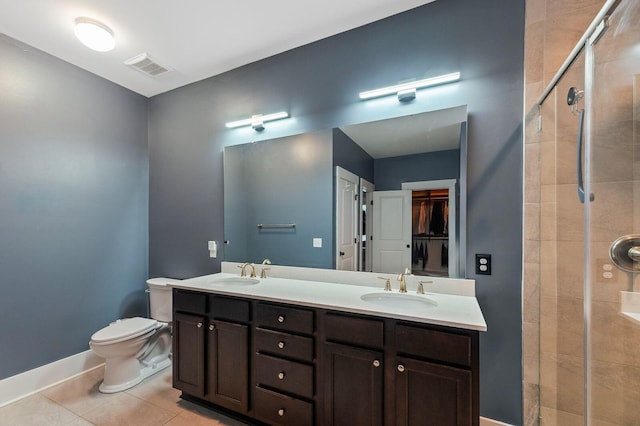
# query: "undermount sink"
x,y
399,300
237,281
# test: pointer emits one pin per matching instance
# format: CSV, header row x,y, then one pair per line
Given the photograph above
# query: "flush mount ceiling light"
x,y
94,34
407,91
257,121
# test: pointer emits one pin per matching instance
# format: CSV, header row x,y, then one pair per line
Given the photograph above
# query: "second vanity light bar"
x,y
392,90
257,119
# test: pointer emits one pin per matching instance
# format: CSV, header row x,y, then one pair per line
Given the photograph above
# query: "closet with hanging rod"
x,y
430,232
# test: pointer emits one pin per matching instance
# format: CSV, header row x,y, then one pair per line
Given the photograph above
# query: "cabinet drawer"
x,y
278,409
434,344
284,318
189,301
284,344
354,331
229,308
288,376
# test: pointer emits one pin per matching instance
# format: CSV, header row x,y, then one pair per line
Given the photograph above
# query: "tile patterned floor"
x,y
78,402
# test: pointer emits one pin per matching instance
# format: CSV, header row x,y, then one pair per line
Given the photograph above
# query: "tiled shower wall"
x,y
552,28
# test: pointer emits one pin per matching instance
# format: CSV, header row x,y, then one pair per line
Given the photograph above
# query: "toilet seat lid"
x,y
123,329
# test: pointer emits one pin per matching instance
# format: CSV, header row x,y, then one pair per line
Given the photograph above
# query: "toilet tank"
x,y
160,305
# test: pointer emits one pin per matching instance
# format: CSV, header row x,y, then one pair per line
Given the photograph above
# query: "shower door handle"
x,y
579,160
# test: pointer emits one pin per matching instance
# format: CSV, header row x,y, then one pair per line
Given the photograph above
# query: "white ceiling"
x,y
411,134
196,38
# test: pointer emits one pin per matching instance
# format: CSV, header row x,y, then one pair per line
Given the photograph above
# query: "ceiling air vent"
x,y
146,65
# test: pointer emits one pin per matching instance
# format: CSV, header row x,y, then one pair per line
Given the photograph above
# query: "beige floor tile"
x,y
125,410
37,410
194,414
81,394
159,391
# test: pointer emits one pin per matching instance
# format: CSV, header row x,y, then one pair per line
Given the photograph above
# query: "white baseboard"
x,y
24,384
488,422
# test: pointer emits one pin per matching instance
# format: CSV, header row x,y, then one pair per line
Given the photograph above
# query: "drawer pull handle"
x,y
281,375
212,327
281,412
199,325
280,318
376,363
281,345
401,368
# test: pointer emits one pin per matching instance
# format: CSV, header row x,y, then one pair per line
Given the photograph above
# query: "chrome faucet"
x,y
403,281
243,273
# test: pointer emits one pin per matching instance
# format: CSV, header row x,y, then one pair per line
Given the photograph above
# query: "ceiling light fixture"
x,y
406,91
257,121
94,34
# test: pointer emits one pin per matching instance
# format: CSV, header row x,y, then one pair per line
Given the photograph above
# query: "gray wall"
x,y
284,180
390,173
73,206
350,156
318,85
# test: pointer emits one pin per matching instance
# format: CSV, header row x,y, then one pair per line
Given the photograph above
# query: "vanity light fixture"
x,y
257,121
94,34
407,91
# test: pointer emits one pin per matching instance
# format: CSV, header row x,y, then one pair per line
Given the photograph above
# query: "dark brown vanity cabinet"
x,y
283,364
383,371
211,348
436,376
353,370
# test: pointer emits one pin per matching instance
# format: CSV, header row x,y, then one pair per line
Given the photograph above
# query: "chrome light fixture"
x,y
94,34
257,121
407,91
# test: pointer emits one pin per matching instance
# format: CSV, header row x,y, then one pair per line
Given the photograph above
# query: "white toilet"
x,y
135,348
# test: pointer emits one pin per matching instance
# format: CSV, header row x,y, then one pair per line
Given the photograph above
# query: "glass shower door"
x,y
612,164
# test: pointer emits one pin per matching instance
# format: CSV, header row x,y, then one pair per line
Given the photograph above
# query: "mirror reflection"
x,y
379,196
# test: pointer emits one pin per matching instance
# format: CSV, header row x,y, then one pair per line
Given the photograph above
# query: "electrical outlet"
x,y
483,264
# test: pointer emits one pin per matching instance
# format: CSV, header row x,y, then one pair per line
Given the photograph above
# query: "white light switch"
x,y
317,242
213,249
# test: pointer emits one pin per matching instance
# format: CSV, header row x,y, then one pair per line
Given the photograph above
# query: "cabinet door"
x,y
353,380
188,353
432,394
228,365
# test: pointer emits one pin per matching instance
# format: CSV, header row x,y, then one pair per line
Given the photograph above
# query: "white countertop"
x,y
450,310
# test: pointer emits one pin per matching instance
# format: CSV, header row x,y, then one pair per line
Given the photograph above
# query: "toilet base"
x,y
147,368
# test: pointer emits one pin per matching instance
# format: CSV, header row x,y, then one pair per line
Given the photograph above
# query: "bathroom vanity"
x,y
294,352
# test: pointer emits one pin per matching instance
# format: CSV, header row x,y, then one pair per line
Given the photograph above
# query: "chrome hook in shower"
x,y
625,253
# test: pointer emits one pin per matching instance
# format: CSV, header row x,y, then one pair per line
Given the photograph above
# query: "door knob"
x,y
341,253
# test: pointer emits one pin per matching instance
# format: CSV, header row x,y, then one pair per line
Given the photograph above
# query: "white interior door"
x,y
391,239
347,216
365,217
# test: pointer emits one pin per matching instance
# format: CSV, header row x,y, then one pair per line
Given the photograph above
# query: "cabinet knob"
x,y
212,327
280,318
281,375
281,345
401,368
281,412
199,325
376,363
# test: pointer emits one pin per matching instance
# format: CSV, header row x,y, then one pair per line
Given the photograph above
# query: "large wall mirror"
x,y
306,200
